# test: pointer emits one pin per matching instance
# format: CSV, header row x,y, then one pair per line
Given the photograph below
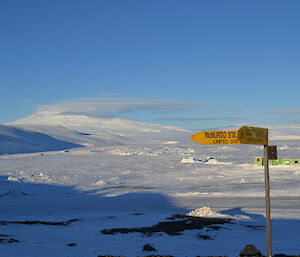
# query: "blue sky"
x,y
220,62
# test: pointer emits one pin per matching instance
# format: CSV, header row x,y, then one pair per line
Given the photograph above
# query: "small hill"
x,y
100,139
15,140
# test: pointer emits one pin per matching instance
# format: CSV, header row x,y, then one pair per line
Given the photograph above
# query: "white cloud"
x,y
107,107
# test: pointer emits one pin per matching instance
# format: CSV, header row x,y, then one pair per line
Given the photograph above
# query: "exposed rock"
x,y
149,248
250,251
109,256
13,193
72,244
158,256
204,237
175,227
213,256
5,239
36,222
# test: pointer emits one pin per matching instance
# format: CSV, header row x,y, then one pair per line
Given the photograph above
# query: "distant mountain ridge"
x,y
46,131
116,127
92,124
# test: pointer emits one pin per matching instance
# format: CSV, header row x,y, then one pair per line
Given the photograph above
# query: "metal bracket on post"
x,y
267,199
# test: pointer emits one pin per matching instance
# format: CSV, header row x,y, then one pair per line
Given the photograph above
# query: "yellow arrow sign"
x,y
253,135
219,137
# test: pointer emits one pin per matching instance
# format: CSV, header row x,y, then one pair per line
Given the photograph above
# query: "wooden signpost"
x,y
244,135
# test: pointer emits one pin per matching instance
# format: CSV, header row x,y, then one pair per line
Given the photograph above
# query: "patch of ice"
x,y
193,160
214,161
65,151
188,160
283,147
241,217
188,194
87,144
127,152
243,181
126,172
170,143
12,178
99,183
207,212
297,172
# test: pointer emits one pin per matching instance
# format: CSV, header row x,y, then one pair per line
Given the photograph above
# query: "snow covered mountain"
x,y
44,131
135,130
87,130
92,124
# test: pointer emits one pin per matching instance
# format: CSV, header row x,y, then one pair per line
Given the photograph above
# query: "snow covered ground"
x,y
58,203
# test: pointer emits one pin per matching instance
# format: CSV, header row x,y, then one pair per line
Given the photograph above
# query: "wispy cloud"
x,y
199,118
285,111
107,107
233,106
110,94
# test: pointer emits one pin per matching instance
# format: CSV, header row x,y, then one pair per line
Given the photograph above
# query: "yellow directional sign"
x,y
245,135
253,135
219,137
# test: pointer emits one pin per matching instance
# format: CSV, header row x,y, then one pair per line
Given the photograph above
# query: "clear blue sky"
x,y
239,58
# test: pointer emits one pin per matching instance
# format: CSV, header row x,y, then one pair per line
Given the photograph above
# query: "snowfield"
x,y
64,202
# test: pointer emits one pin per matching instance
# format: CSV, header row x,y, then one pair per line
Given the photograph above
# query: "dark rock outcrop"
x,y
148,248
250,251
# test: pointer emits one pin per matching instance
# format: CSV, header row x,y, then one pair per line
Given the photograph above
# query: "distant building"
x,y
259,161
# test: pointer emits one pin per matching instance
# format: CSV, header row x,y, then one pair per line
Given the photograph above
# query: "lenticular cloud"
x,y
108,107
